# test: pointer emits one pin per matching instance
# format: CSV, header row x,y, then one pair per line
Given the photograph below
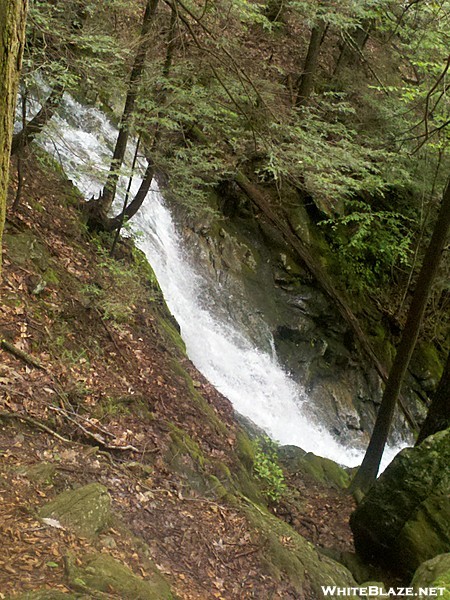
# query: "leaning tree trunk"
x,y
438,417
105,201
129,210
367,473
31,129
306,83
352,47
12,36
132,208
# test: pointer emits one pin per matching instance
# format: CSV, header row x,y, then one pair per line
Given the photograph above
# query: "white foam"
x,y
82,139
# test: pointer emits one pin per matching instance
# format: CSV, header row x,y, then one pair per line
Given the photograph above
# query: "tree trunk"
x,y
438,417
352,47
107,198
12,37
321,277
37,123
367,473
132,208
306,84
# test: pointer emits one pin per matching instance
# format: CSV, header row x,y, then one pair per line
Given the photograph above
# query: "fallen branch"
x,y
111,336
22,355
246,553
261,202
95,436
38,424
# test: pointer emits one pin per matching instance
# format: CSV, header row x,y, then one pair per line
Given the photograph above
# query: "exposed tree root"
x,y
34,423
22,355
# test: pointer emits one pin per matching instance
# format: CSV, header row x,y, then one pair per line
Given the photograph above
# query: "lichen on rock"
x,y
86,510
434,573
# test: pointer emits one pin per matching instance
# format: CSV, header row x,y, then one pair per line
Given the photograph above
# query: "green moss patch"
x,y
86,510
434,573
102,573
48,595
322,470
287,553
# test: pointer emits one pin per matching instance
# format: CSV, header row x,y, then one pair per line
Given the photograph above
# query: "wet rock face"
x,y
405,518
252,281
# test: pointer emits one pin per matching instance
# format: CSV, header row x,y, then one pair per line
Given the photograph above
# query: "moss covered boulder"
x,y
85,510
48,595
405,518
289,555
322,470
434,573
102,573
43,472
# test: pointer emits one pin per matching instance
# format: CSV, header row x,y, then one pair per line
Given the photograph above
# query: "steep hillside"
x,y
97,389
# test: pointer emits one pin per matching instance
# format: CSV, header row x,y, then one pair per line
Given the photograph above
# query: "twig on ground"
x,y
22,355
31,421
95,436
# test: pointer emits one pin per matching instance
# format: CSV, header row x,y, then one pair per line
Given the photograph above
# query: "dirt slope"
x,y
111,398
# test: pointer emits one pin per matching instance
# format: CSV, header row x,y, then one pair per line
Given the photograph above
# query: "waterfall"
x,y
82,139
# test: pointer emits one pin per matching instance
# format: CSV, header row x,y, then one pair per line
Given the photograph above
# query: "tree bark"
x,y
132,208
32,128
367,473
438,417
306,84
12,37
107,197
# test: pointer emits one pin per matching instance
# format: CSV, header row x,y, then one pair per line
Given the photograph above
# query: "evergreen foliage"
x,y
369,149
372,134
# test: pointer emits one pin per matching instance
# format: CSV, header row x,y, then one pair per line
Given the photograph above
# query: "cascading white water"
x,y
252,380
82,139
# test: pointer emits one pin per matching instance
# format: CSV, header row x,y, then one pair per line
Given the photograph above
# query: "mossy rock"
x,y
24,248
361,570
426,365
434,573
378,585
86,510
287,553
405,518
43,472
102,573
322,470
245,481
48,595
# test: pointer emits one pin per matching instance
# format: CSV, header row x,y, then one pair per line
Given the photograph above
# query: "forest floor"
x,y
110,396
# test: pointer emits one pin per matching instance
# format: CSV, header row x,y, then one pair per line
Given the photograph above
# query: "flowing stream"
x,y
82,139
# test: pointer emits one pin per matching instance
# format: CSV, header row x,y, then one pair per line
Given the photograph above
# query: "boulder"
x,y
405,518
47,595
102,573
289,556
434,573
42,472
86,510
323,470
